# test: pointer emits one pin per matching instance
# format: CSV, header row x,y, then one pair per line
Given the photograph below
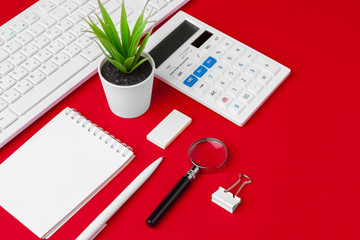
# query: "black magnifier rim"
x,y
204,169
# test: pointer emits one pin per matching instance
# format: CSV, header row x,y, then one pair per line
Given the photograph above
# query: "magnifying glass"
x,y
208,155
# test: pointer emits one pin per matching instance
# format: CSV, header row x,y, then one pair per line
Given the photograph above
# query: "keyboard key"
x,y
7,117
1,42
267,65
19,73
264,78
17,59
47,7
236,107
31,64
19,26
149,11
87,9
200,71
255,87
58,14
70,6
60,59
246,97
58,2
78,30
31,18
11,96
48,68
234,90
158,4
55,47
64,25
44,88
252,71
67,38
53,33
29,50
76,17
36,77
36,30
24,38
6,67
82,2
190,81
47,22
83,41
41,42
209,62
201,86
3,104
24,86
6,82
12,47
224,100
91,53
43,55
6,34
3,55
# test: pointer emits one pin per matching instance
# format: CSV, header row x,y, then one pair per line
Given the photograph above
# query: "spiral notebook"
x,y
58,170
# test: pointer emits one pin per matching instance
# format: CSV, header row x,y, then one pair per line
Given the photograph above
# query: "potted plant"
x,y
126,72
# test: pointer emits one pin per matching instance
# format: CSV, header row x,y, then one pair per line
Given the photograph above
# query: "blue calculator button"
x,y
200,71
209,62
190,81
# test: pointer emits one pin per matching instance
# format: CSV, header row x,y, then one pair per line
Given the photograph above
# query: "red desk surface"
x,y
301,148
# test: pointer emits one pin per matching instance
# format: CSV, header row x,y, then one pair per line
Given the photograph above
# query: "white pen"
x,y
100,222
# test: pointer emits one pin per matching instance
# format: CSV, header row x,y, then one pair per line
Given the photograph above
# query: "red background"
x,y
301,148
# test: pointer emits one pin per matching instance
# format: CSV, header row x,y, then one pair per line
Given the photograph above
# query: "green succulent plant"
x,y
123,52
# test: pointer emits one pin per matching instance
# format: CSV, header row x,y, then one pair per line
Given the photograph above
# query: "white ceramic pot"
x,y
128,101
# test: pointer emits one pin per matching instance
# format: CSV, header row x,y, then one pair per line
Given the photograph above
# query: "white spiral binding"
x,y
98,132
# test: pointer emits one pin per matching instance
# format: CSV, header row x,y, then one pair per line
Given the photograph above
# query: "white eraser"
x,y
225,199
168,129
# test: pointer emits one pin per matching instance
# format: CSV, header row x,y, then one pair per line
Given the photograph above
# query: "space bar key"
x,y
50,84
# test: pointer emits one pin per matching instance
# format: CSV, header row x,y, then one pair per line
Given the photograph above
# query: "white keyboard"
x,y
216,70
45,55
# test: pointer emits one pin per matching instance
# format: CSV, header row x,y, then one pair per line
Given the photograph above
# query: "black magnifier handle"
x,y
171,197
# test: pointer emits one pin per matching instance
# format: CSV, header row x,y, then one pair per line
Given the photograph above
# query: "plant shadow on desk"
x,y
126,72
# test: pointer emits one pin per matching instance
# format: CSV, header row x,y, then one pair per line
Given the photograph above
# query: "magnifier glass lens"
x,y
208,154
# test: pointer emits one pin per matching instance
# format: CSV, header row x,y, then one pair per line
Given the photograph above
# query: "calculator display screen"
x,y
201,39
172,42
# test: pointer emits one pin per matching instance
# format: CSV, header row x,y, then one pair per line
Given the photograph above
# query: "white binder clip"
x,y
225,199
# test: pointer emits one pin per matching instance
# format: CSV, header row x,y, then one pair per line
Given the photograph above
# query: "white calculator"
x,y
216,70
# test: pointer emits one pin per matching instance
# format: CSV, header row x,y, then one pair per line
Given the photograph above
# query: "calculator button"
x,y
224,100
189,64
209,62
249,56
234,90
201,86
236,107
218,53
237,50
266,65
226,44
244,80
246,97
252,71
232,74
213,93
220,67
208,47
229,58
197,56
211,77
200,71
179,74
264,78
255,87
190,81
240,64
217,38
222,83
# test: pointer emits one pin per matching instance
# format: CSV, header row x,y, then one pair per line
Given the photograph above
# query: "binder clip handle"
x,y
238,181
